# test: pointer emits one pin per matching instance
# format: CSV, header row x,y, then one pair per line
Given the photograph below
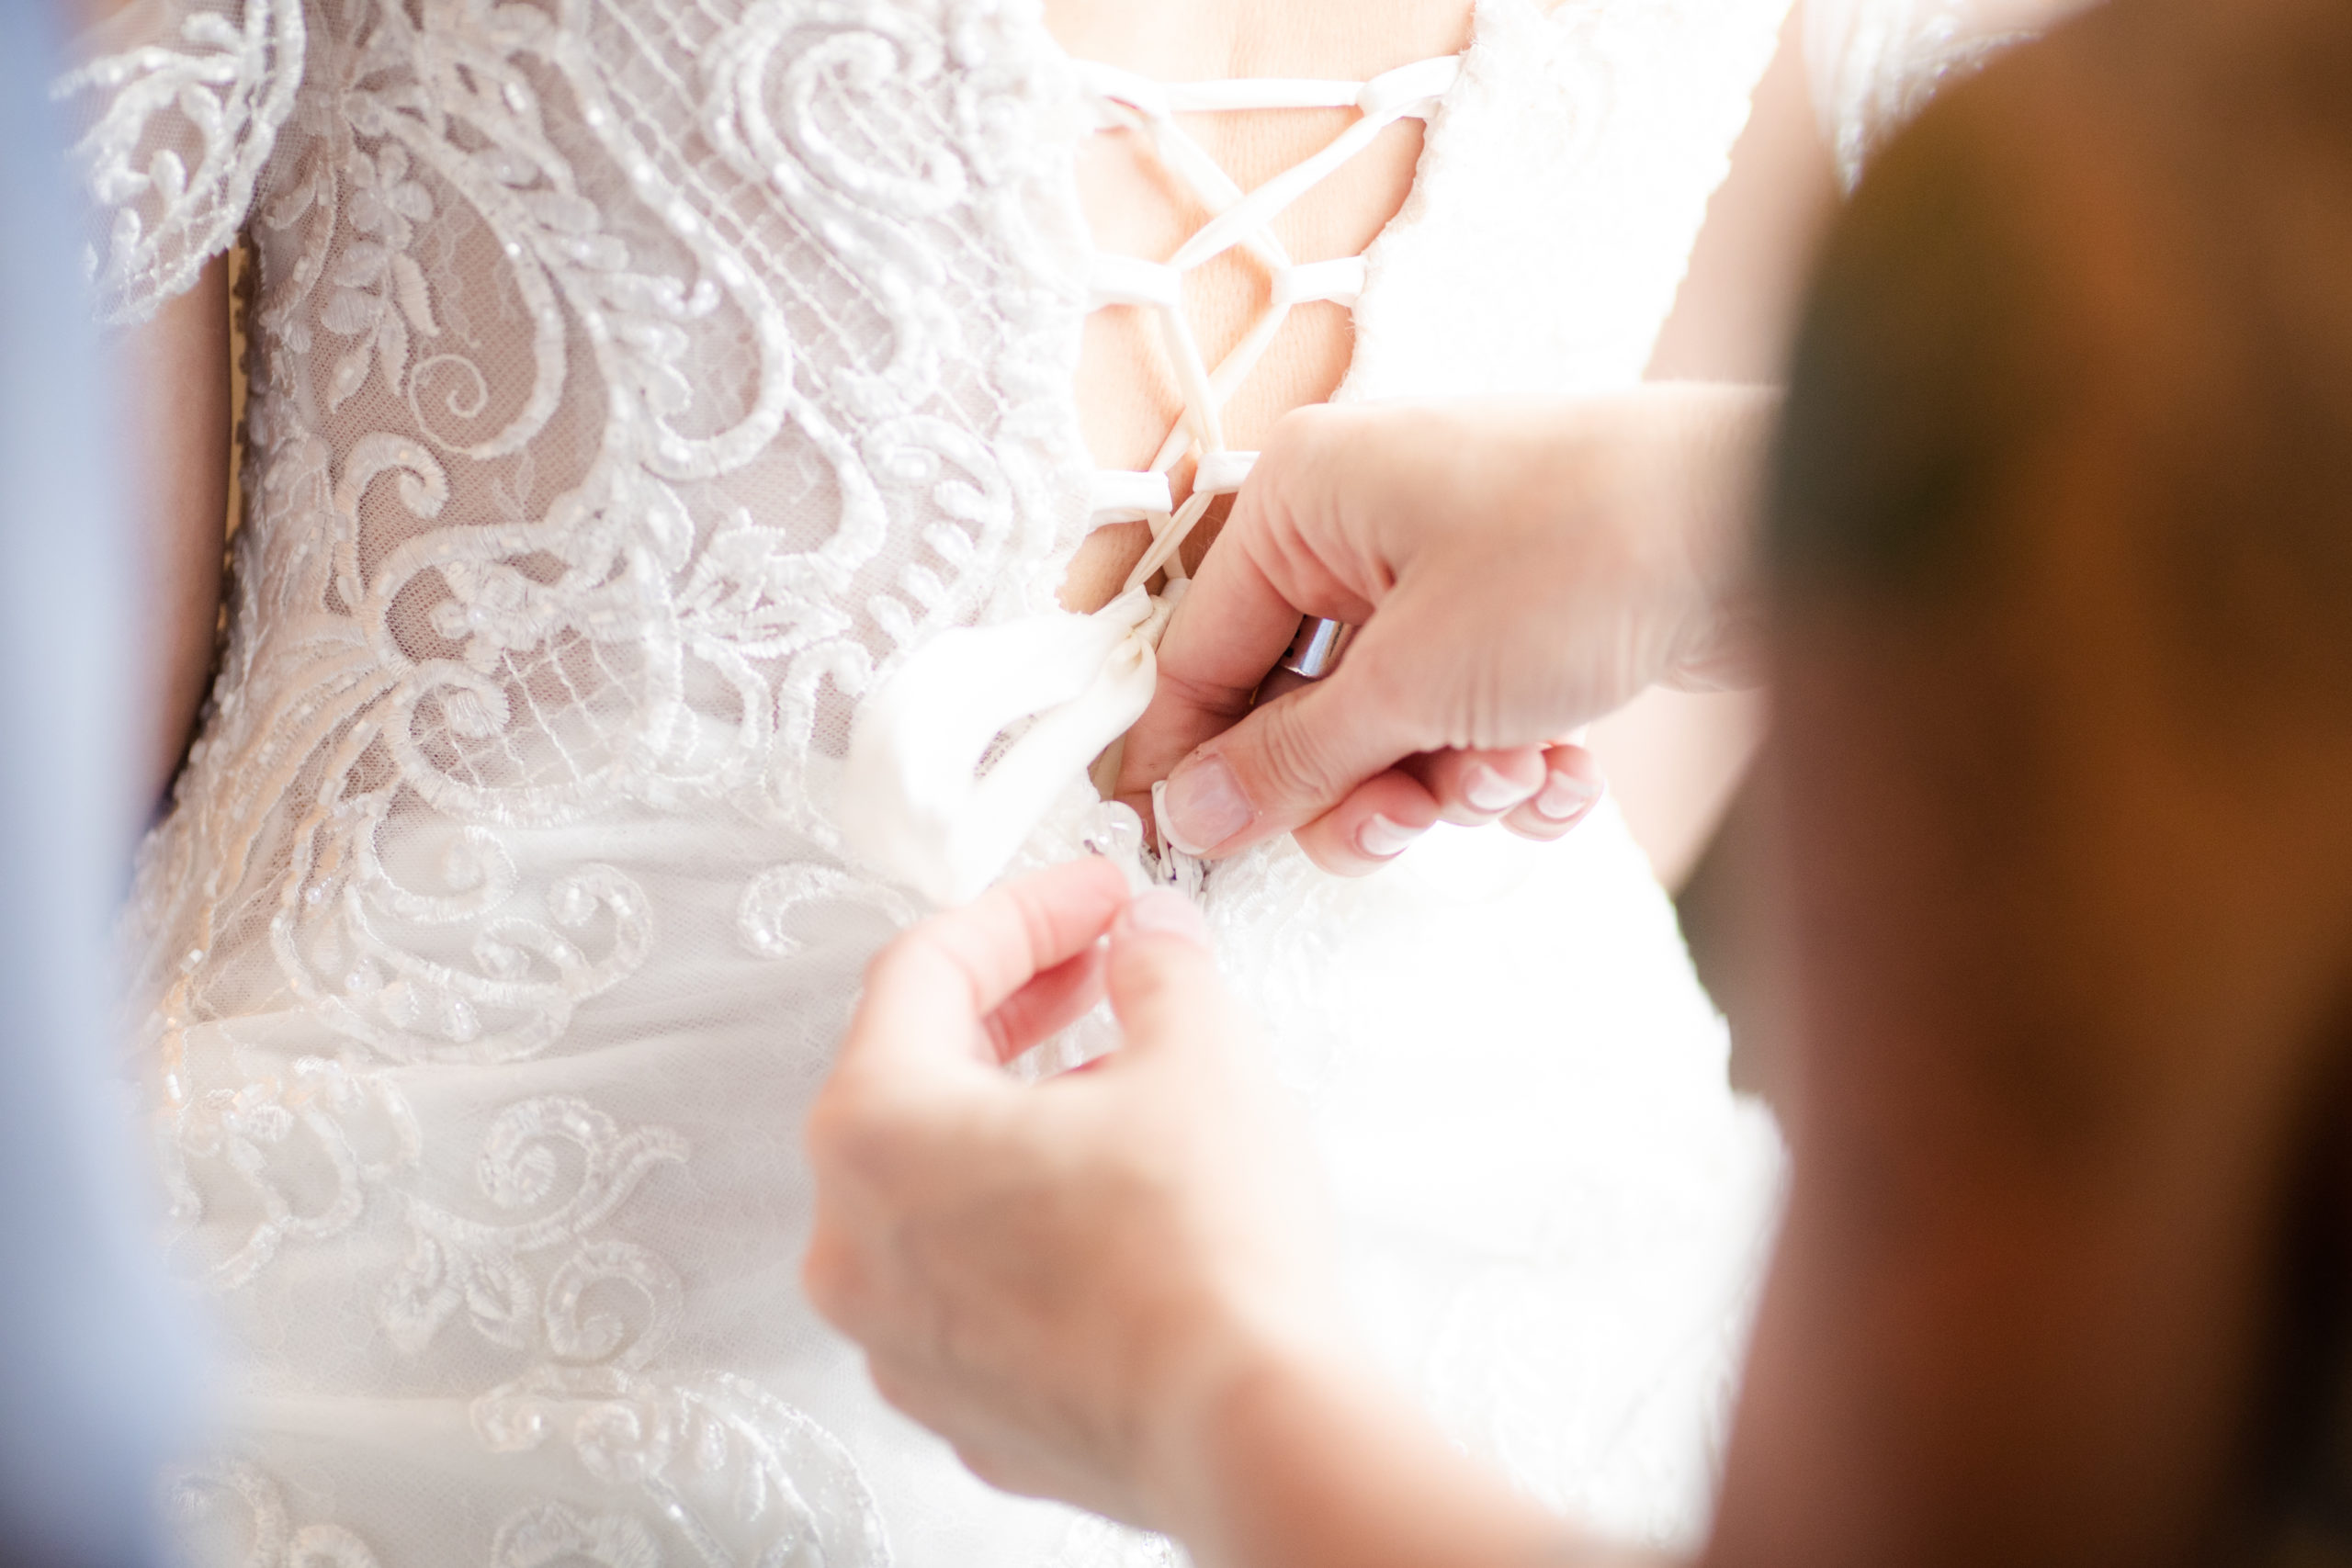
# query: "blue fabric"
x,y
94,1383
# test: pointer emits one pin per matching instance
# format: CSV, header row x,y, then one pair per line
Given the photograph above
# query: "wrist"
x,y
1209,1404
1706,460
1228,1483
1301,1454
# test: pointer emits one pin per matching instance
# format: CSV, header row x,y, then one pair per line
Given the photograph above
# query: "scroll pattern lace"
x,y
487,615
630,383
175,202
634,383
435,626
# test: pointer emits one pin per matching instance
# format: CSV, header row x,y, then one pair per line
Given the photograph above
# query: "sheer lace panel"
x,y
183,107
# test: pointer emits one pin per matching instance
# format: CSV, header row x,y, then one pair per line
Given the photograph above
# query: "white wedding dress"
x,y
635,384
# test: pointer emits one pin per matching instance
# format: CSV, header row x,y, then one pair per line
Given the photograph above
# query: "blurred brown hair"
x,y
2062,543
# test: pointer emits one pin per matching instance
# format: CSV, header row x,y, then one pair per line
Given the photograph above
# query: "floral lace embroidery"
x,y
186,127
201,1494
630,385
634,382
431,626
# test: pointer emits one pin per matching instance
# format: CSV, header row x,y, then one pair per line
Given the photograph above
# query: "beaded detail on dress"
x,y
635,384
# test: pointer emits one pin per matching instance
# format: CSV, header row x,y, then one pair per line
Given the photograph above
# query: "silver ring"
x,y
1314,652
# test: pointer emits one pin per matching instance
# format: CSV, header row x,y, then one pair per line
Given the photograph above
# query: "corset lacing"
x,y
914,800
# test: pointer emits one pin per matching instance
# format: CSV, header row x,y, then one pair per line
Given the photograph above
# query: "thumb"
x,y
1161,975
1289,762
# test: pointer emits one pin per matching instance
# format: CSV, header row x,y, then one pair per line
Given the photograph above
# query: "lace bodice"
x,y
630,385
638,387
634,384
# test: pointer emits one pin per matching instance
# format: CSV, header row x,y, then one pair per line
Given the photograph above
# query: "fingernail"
x,y
1383,839
1566,794
1489,791
1202,805
1163,911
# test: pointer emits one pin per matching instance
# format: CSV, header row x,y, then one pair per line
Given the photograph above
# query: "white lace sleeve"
x,y
1875,64
180,102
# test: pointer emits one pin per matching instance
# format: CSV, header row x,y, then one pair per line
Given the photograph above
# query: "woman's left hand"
x,y
1065,1279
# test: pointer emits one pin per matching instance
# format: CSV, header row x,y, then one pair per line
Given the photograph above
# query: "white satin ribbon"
x,y
915,802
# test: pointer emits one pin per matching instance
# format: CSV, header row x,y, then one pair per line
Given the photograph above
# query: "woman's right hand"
x,y
1516,569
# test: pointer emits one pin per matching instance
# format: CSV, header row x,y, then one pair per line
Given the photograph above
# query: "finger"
x,y
1239,615
1229,632
1475,787
1573,785
1145,765
832,1278
1291,759
1377,822
927,994
1047,1005
1161,977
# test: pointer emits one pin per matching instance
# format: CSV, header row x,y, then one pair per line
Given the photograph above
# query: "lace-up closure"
x,y
1126,101
915,800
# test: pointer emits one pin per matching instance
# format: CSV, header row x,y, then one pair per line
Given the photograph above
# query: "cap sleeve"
x,y
178,103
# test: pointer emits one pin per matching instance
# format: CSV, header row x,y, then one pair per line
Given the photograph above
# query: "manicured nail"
x,y
1564,796
1489,791
1163,911
1203,805
1383,839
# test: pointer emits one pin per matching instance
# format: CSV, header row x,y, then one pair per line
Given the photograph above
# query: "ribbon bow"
x,y
917,801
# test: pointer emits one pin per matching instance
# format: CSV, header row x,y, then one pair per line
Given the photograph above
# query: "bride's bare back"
x,y
1127,393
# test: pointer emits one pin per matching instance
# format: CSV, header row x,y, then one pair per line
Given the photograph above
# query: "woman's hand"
x,y
1117,1287
1066,1278
1516,569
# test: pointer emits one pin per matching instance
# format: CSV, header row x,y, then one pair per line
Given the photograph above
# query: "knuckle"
x,y
1302,430
831,1279
992,1467
881,969
1214,699
832,1130
909,1391
849,1139
1151,980
1169,987
897,1389
998,1031
1291,756
1332,854
1297,455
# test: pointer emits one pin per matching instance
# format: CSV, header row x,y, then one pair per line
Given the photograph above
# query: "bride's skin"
x,y
1727,325
1127,395
1675,756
